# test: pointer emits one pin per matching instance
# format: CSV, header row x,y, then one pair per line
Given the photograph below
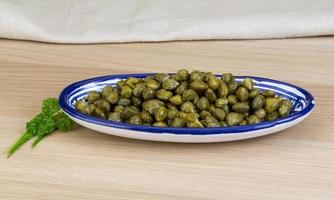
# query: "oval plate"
x,y
303,104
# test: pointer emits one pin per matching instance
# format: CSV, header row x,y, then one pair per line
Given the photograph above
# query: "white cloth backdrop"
x,y
93,21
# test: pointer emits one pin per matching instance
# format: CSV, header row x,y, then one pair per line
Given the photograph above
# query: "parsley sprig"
x,y
51,118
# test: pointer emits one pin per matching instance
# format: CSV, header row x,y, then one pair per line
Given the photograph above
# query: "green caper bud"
x,y
153,84
271,104
232,99
138,90
132,81
160,124
115,116
253,119
169,105
221,102
268,93
182,75
176,100
170,84
195,100
181,88
246,114
254,92
211,121
187,107
272,116
118,108
164,94
195,75
248,83
219,114
241,107
151,105
243,122
210,95
83,107
233,118
222,90
258,102
107,90
189,95
178,122
148,93
112,97
149,77
204,114
128,112
99,113
93,96
135,119
208,75
284,108
136,101
102,104
199,85
227,78
226,108
260,113
195,124
172,114
146,117
232,87
213,83
126,91
212,108
242,94
124,102
161,114
223,124
203,103
120,84
161,77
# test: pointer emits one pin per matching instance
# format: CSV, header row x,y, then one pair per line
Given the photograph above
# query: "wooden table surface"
x,y
297,163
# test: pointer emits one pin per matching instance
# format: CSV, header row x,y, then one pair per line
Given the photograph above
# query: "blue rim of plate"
x,y
68,91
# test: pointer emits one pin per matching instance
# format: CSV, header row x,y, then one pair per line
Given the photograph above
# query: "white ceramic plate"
x,y
303,104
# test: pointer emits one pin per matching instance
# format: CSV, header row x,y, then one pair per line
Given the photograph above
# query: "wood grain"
x,y
297,163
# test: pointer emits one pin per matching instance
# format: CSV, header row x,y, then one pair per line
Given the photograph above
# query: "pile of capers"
x,y
196,100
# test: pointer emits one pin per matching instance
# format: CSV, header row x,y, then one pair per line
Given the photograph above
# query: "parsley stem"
x,y
25,137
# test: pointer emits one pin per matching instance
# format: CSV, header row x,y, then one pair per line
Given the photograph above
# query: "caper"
x,y
233,118
223,124
161,114
120,84
219,114
222,90
98,112
199,85
118,108
93,96
268,93
213,83
115,116
203,103
126,91
232,99
161,77
260,113
112,97
84,108
208,76
204,114
221,102
233,87
128,112
153,84
148,93
189,95
253,119
248,83
132,81
241,107
172,113
178,122
181,88
254,92
284,108
146,117
138,90
169,105
176,100
195,75
210,95
271,104
211,121
243,122
103,105
136,101
160,124
188,107
272,116
164,94
151,105
227,78
135,119
226,108
258,102
170,84
107,90
182,75
212,108
242,94
124,102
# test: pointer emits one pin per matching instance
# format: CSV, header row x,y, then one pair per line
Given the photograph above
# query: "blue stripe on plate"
x,y
303,104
